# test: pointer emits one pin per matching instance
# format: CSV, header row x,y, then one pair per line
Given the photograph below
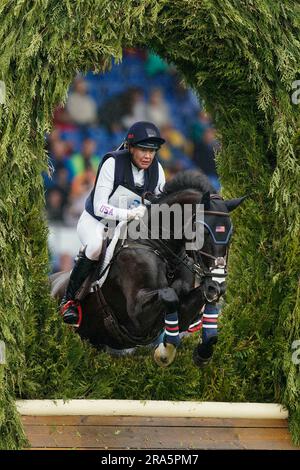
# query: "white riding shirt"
x,y
89,229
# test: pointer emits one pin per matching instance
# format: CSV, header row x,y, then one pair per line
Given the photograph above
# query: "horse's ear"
x,y
206,200
232,204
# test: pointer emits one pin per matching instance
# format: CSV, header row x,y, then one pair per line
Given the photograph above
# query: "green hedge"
x,y
242,58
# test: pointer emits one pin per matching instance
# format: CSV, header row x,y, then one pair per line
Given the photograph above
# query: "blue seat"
x,y
92,77
98,133
73,136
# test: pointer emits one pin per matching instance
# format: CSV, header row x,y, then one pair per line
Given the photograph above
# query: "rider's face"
x,y
142,157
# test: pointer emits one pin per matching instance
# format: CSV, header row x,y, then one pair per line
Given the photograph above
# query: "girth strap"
x,y
117,331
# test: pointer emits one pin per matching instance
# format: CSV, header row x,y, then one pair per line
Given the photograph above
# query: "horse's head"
x,y
211,259
189,189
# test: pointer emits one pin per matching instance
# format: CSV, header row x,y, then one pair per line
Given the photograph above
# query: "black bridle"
x,y
197,266
220,262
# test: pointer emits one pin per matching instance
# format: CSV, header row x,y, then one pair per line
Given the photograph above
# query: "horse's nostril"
x,y
212,290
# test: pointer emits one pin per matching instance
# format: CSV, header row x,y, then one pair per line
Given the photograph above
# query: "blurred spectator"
x,y
59,154
114,109
81,188
57,160
176,153
56,136
55,205
138,108
79,162
63,262
158,111
62,180
62,119
188,104
83,183
116,136
204,155
202,123
81,107
176,139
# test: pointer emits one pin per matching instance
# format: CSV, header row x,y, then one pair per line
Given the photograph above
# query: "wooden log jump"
x,y
131,424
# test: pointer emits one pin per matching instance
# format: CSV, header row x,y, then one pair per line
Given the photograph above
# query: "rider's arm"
x,y
161,180
103,189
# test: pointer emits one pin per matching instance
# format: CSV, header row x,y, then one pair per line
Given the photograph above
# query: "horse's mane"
x,y
189,179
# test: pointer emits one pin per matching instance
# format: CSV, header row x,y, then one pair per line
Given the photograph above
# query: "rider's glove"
x,y
137,212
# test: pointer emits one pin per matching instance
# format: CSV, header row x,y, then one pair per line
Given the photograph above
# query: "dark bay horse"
x,y
150,278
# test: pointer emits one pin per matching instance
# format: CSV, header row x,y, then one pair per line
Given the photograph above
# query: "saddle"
x,y
93,284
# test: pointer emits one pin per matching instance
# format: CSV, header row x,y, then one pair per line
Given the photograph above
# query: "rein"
x,y
194,267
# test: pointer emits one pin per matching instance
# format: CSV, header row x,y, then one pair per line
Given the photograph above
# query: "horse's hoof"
x,y
164,355
203,353
199,361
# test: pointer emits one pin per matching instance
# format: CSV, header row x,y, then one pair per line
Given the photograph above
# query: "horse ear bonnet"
x,y
219,226
232,204
206,201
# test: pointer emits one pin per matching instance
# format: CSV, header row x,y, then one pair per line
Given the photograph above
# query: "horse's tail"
x,y
58,284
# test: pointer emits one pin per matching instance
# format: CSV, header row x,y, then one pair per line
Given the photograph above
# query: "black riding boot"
x,y
70,308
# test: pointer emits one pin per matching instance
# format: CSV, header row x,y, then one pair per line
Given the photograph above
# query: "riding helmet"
x,y
144,134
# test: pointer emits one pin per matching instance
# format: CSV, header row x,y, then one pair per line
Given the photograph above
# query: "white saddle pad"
x,y
119,233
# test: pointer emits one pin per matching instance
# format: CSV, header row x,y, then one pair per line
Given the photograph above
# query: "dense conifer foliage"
x,y
242,57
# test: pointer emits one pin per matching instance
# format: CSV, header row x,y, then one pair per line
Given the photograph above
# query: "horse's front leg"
x,y
165,352
190,307
189,310
151,304
164,302
203,352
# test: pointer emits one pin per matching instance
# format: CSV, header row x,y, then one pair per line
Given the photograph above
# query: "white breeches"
x,y
91,234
